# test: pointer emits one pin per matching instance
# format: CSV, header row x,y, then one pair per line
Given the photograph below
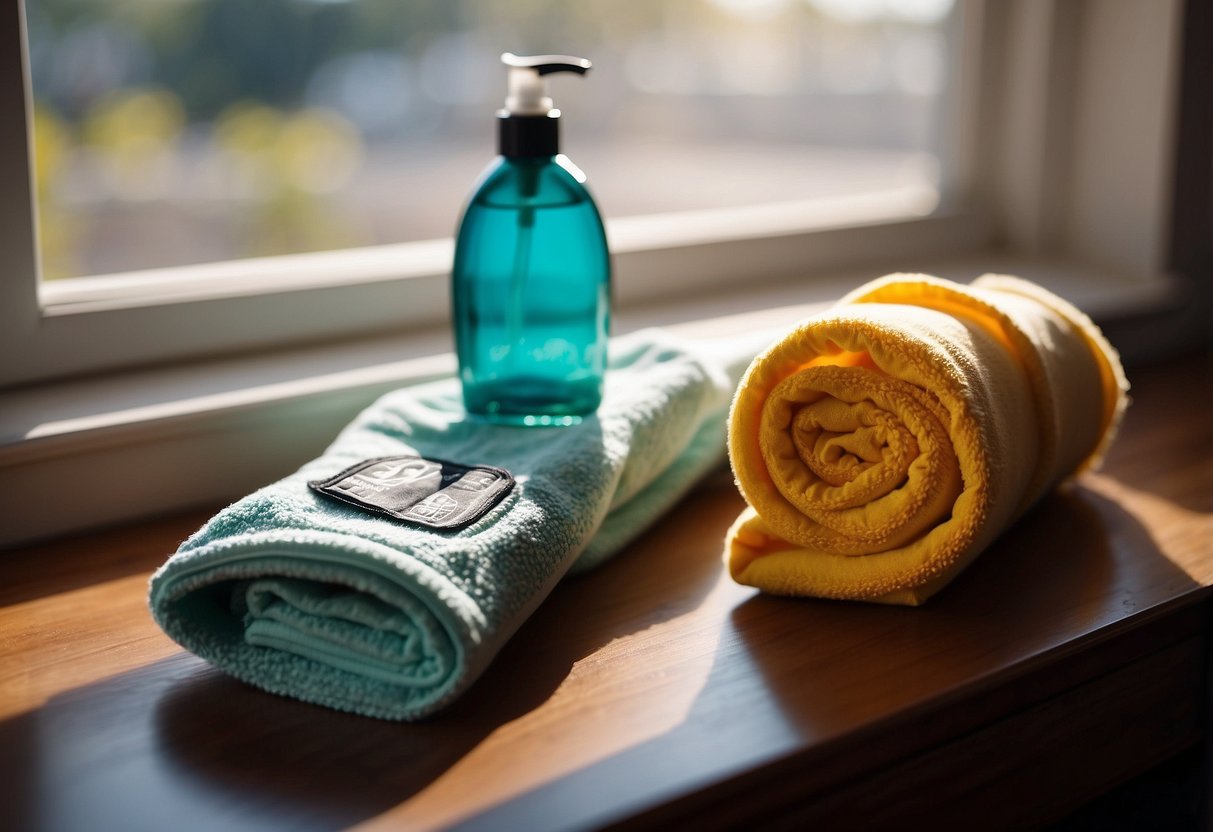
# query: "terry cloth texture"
x,y
309,597
884,443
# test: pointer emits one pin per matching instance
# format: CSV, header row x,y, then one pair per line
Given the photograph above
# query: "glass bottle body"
x,y
531,295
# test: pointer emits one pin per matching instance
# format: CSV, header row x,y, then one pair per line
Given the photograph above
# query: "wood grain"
x,y
654,691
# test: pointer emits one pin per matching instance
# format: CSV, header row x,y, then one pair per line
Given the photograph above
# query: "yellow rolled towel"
x,y
884,443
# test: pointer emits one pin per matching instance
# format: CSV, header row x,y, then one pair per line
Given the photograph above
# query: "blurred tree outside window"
x,y
171,132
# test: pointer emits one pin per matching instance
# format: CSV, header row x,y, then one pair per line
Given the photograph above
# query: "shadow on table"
x,y
792,674
179,745
1072,565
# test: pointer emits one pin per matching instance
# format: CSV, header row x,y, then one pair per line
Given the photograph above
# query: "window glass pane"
x,y
182,131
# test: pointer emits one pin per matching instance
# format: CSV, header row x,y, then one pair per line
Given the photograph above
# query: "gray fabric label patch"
x,y
429,492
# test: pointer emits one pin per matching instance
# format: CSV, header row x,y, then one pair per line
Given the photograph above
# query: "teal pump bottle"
x,y
531,280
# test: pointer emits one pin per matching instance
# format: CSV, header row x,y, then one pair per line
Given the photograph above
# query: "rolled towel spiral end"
x,y
883,444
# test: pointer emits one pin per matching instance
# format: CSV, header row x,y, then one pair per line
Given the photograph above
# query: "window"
x,y
1056,148
704,121
193,131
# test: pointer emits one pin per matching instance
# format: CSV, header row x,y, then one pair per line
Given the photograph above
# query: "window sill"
x,y
114,322
101,450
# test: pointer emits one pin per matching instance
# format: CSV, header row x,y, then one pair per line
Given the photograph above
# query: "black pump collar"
x,y
534,136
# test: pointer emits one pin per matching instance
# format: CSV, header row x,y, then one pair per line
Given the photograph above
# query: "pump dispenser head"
x,y
527,89
528,125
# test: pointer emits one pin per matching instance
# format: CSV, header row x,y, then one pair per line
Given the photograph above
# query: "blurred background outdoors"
x,y
170,132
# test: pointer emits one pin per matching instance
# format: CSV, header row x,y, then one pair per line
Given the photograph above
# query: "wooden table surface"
x,y
1073,654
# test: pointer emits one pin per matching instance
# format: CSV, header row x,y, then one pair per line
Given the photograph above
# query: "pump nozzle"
x,y
527,92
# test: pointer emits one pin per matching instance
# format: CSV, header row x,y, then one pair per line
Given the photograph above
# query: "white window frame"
x,y
1036,173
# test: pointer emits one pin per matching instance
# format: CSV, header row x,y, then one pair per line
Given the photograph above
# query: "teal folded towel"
x,y
304,595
